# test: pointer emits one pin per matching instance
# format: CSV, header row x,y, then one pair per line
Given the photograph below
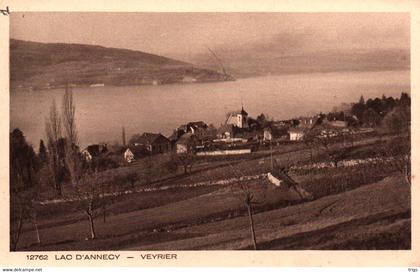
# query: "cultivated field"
x,y
364,206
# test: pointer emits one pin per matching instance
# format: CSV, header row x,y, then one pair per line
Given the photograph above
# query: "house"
x,y
153,142
268,136
192,127
226,131
93,151
277,130
185,143
208,135
118,155
134,153
197,127
296,134
285,123
129,156
237,118
308,122
174,137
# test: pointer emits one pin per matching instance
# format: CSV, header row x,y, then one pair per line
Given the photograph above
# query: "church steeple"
x,y
243,112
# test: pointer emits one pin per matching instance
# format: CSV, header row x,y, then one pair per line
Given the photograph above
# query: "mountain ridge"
x,y
35,65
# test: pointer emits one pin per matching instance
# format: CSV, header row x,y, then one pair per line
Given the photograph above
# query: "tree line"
x,y
386,109
58,161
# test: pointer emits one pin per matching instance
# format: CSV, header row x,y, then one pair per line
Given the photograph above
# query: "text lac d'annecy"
x,y
86,257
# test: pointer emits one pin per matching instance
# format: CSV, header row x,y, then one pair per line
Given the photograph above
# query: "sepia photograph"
x,y
173,131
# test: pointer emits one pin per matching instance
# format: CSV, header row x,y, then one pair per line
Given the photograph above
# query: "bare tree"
x,y
17,203
246,196
34,205
310,139
171,164
72,158
24,201
91,197
53,132
131,179
15,231
104,206
309,143
187,161
148,169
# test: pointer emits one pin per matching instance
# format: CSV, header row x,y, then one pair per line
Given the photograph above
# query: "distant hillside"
x,y
256,62
43,66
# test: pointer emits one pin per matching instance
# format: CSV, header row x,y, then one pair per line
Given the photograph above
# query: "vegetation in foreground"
x,y
178,217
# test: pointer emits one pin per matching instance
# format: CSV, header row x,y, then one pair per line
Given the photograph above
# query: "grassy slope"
x,y
175,214
38,64
332,222
216,220
156,218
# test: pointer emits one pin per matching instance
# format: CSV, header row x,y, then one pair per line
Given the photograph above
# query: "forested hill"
x,y
44,66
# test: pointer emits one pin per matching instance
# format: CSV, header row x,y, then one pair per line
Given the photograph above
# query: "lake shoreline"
x,y
243,77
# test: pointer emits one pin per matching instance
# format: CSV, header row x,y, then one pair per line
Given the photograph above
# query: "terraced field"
x,y
352,207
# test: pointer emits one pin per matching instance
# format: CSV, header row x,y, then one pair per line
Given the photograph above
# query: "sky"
x,y
185,35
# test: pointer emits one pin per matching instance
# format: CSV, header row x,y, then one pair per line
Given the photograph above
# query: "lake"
x,y
102,112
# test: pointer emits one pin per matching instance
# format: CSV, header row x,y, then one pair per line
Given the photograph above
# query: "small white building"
x,y
181,148
185,143
129,156
86,155
296,134
268,136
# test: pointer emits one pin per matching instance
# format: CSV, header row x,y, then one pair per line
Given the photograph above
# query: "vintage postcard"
x,y
209,134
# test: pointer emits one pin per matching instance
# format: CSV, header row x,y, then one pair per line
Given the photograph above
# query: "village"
x,y
240,134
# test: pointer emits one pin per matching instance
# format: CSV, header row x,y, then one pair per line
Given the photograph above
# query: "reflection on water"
x,y
103,111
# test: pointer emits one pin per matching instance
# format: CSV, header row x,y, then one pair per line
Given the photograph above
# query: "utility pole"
x,y
123,137
271,154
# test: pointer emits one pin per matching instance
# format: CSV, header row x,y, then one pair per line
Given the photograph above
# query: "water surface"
x,y
102,112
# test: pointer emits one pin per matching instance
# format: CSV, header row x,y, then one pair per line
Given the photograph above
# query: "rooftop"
x,y
241,111
148,138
